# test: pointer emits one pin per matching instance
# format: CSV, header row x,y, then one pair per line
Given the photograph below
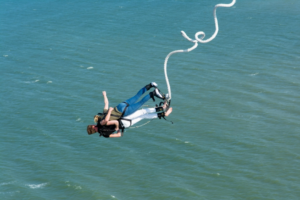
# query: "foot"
x,y
150,85
158,94
169,112
153,84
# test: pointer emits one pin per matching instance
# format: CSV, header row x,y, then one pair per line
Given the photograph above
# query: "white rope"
x,y
141,125
200,33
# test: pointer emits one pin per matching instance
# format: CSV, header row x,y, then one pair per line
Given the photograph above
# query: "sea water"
x,y
235,100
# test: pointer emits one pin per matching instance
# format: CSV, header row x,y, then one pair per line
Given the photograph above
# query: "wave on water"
x,y
8,183
90,67
31,81
76,187
35,81
186,142
36,186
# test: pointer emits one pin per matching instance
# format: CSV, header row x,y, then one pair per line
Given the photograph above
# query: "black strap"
x,y
124,108
122,127
162,115
104,115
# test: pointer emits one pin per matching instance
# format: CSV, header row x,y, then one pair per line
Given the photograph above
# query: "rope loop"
x,y
199,36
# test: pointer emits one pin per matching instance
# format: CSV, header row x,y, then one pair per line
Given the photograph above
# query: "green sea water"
x,y
235,100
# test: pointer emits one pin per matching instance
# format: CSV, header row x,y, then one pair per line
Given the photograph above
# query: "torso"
x,y
115,114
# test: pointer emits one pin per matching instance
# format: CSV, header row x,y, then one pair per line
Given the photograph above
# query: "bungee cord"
x,y
197,39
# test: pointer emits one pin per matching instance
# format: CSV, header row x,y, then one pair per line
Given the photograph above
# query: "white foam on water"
x,y
186,142
90,67
78,119
49,82
36,186
78,187
8,183
5,56
69,185
113,196
254,74
31,81
218,174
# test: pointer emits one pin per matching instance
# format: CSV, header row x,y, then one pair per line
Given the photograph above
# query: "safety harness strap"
x,y
124,108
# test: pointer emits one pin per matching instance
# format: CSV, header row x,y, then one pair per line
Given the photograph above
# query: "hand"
x,y
104,93
111,108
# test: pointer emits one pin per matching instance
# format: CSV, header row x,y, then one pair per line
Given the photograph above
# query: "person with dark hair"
x,y
112,118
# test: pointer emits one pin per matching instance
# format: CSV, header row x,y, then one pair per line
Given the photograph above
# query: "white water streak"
x,y
36,186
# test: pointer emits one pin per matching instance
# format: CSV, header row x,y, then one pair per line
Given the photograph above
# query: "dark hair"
x,y
90,130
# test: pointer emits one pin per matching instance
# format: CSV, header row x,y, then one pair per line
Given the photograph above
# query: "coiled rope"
x,y
197,39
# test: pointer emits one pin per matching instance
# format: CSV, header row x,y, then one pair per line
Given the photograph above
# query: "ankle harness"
x,y
162,114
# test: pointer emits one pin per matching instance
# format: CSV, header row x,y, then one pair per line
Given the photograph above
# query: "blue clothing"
x,y
133,105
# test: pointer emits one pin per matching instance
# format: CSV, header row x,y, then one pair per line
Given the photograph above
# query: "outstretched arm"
x,y
105,100
118,134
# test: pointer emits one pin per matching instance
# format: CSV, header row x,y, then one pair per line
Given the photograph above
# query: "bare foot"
x,y
168,112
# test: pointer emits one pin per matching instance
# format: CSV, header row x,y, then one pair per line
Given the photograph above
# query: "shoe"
x,y
153,84
158,94
150,85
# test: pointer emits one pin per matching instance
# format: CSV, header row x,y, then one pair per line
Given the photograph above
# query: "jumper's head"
x,y
91,129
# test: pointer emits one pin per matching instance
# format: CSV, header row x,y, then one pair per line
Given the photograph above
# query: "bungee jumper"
x,y
127,113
